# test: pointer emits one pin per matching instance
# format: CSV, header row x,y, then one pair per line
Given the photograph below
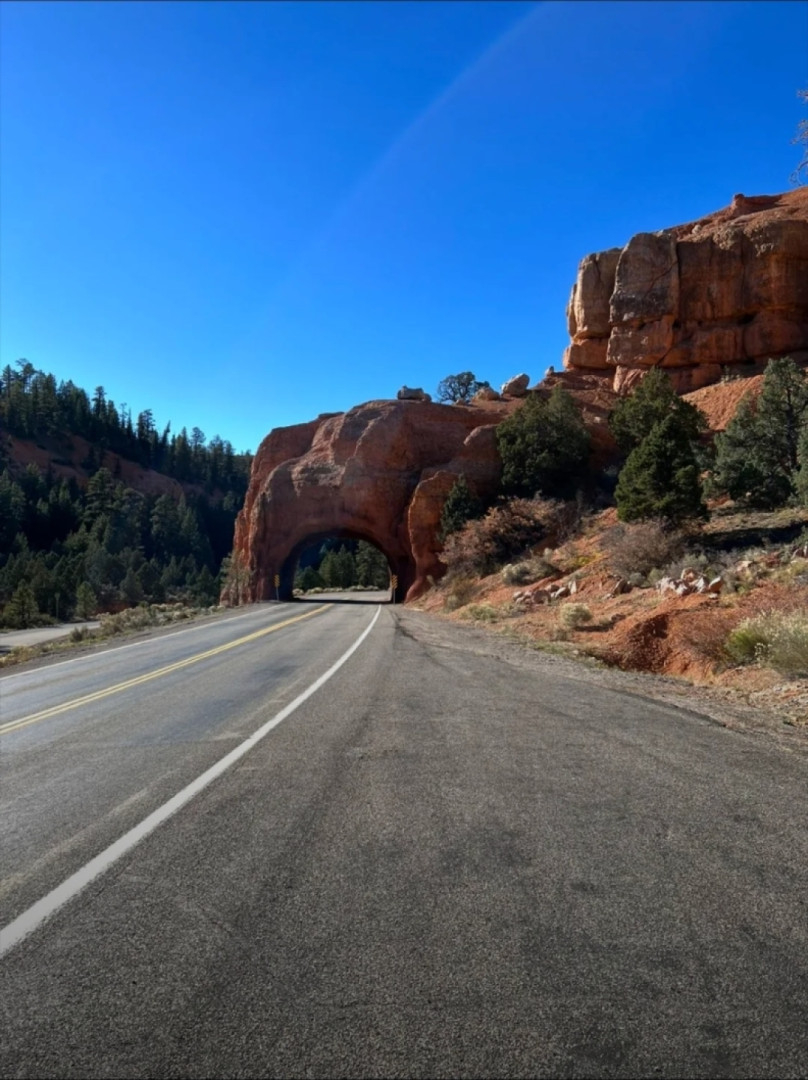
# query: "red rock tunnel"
x,y
379,472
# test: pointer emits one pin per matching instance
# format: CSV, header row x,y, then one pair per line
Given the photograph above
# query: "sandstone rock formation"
x,y
730,289
379,472
516,386
410,393
487,393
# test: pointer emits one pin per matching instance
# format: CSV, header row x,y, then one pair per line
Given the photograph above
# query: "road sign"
x,y
277,580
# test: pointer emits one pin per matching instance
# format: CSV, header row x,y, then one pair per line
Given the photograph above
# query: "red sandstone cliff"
x,y
730,289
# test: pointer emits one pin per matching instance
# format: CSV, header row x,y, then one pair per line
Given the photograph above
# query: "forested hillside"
x,y
99,511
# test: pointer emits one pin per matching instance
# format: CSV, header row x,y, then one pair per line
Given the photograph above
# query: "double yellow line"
x,y
55,710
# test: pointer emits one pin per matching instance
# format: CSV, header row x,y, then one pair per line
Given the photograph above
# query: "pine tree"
x,y
86,601
461,505
660,478
372,569
653,399
758,455
22,610
544,447
801,478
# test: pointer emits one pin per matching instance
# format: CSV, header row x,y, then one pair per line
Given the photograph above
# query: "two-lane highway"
x,y
445,855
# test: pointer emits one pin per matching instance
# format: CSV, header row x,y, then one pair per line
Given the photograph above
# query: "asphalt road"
x,y
452,858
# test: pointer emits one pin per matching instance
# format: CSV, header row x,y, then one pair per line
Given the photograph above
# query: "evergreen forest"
x,y
75,539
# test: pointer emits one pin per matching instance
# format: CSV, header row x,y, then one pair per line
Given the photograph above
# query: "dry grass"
x,y
641,548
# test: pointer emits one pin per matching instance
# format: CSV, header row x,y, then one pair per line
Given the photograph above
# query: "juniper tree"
x,y
461,505
660,478
652,400
544,447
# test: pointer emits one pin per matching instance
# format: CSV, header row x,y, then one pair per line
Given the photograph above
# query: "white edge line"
x,y
35,915
170,632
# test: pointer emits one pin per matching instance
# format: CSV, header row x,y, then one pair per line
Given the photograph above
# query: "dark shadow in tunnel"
x,y
368,564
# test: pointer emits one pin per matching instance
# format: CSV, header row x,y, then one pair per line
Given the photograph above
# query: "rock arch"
x,y
379,472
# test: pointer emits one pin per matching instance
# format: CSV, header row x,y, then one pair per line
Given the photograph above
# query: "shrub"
x,y
642,547
459,591
774,639
787,648
482,612
523,573
574,615
507,530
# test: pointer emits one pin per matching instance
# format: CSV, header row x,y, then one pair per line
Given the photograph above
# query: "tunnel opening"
x,y
342,562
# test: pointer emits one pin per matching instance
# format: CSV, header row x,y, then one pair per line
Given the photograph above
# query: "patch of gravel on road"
x,y
782,717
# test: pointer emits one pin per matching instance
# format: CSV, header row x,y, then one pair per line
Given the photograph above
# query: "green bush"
x,y
775,640
544,447
744,642
461,505
572,616
523,573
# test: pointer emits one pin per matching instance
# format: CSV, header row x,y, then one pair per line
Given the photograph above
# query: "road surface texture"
x,y
454,857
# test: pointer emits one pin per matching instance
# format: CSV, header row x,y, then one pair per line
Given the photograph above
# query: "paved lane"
x,y
28,692
457,858
75,777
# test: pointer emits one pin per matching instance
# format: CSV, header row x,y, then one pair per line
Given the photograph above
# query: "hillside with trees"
x,y
100,510
686,553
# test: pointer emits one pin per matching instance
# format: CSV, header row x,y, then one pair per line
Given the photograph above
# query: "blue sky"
x,y
241,215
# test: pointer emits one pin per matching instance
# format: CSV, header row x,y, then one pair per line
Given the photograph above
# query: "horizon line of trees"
x,y
34,406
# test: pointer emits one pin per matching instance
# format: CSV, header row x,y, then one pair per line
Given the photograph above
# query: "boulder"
x,y
487,393
516,386
726,291
409,393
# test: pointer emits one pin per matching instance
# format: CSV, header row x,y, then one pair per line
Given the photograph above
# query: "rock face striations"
x,y
730,289
380,472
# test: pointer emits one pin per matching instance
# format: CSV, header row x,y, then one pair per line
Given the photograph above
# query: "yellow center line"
x,y
55,710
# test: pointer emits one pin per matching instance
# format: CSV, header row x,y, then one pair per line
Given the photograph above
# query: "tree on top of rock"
x,y
460,389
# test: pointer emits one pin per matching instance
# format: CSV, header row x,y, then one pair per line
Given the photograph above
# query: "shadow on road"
x,y
345,598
